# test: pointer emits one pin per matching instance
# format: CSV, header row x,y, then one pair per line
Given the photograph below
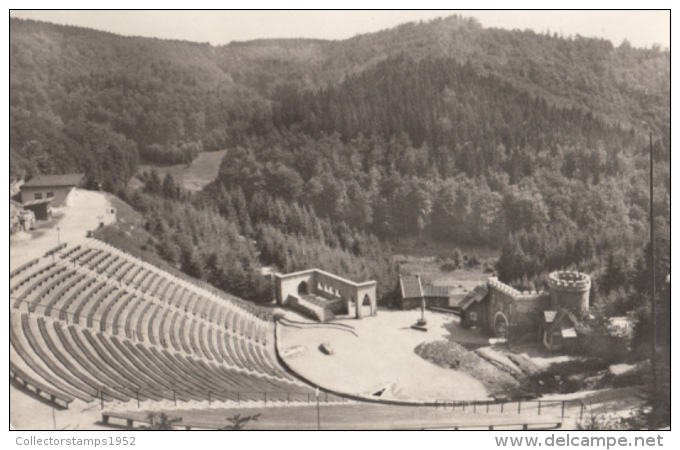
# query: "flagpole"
x,y
651,249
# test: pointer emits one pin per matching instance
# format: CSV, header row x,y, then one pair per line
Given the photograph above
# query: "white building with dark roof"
x,y
50,187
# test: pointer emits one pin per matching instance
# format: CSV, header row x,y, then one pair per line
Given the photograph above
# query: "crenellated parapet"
x,y
570,290
493,283
569,280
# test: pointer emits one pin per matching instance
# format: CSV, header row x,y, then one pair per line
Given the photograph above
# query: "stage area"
x,y
375,358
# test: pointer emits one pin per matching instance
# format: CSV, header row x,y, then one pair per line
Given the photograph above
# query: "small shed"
x,y
472,306
42,209
410,292
558,330
436,296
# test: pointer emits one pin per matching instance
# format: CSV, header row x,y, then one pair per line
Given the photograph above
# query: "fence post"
x,y
487,407
539,407
519,407
502,406
101,397
563,409
137,390
174,397
581,411
265,399
238,397
287,397
326,397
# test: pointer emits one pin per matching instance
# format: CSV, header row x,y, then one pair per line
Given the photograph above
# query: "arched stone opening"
x,y
501,325
303,288
366,301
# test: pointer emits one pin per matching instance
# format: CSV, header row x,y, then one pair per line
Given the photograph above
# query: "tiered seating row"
x,y
181,297
86,300
33,276
62,292
71,251
233,302
81,364
55,250
50,285
25,353
189,342
41,389
24,267
218,350
47,274
103,268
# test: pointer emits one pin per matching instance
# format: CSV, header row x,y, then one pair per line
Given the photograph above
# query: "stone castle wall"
x,y
518,309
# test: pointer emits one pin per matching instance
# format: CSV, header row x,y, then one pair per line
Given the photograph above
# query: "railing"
x,y
267,398
553,425
536,407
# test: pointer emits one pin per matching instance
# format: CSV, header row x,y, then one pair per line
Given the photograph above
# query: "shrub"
x,y
472,261
448,266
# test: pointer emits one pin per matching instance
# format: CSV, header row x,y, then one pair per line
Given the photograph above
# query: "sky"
x,y
641,28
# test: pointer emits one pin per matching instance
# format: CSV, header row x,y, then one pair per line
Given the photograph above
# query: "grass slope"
x,y
193,177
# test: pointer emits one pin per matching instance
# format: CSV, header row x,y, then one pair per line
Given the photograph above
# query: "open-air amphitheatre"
x,y
99,338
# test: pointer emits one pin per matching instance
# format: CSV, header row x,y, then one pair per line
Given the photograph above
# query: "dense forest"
x,y
162,101
531,143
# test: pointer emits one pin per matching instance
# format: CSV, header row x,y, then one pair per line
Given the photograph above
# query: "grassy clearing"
x,y
430,258
460,281
416,247
194,177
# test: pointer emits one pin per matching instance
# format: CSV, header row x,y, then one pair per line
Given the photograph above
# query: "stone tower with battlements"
x,y
570,290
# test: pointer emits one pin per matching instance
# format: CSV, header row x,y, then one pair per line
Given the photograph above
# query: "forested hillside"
x,y
166,100
93,101
530,143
